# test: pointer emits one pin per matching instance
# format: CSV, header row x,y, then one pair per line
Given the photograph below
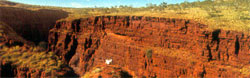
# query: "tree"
x,y
163,4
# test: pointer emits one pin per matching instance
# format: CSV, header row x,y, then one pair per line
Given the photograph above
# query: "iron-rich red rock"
x,y
30,24
180,48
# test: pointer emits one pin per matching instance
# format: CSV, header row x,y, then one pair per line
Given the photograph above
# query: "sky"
x,y
97,3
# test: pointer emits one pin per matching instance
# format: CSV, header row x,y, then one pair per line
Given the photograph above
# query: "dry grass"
x,y
217,15
94,72
228,15
34,58
245,71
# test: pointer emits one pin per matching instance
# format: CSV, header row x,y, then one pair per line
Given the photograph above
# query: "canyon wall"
x,y
30,24
9,37
150,47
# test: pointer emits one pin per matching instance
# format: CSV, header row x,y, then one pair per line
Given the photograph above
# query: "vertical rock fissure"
x,y
76,25
203,73
219,55
237,46
186,27
215,37
67,41
89,53
209,53
88,43
96,20
72,51
127,21
91,50
56,39
227,55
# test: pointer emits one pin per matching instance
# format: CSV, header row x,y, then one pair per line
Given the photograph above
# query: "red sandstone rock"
x,y
31,25
9,37
181,48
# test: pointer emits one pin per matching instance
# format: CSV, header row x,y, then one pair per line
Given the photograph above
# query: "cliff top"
x,y
219,14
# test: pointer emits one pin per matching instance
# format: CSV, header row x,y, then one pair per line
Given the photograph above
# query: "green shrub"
x,y
149,53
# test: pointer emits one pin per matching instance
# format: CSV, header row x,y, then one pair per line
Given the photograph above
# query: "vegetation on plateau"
x,y
217,14
36,59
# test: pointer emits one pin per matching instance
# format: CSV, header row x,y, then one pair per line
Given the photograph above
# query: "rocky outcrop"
x,y
9,37
30,24
151,46
9,69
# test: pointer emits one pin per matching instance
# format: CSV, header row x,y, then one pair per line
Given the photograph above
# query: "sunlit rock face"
x,y
180,48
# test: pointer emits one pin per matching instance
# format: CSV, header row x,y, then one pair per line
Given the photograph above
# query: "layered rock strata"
x,y
151,46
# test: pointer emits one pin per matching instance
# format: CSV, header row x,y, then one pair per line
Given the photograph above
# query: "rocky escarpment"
x,y
30,24
9,37
151,47
15,52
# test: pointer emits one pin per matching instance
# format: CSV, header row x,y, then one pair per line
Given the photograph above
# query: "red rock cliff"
x,y
31,25
151,46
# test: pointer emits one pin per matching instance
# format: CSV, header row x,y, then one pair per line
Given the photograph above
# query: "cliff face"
x,y
151,47
9,37
31,25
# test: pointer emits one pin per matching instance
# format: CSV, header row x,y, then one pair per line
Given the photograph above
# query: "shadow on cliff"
x,y
31,25
7,70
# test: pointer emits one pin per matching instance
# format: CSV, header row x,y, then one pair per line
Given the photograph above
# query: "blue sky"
x,y
98,3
